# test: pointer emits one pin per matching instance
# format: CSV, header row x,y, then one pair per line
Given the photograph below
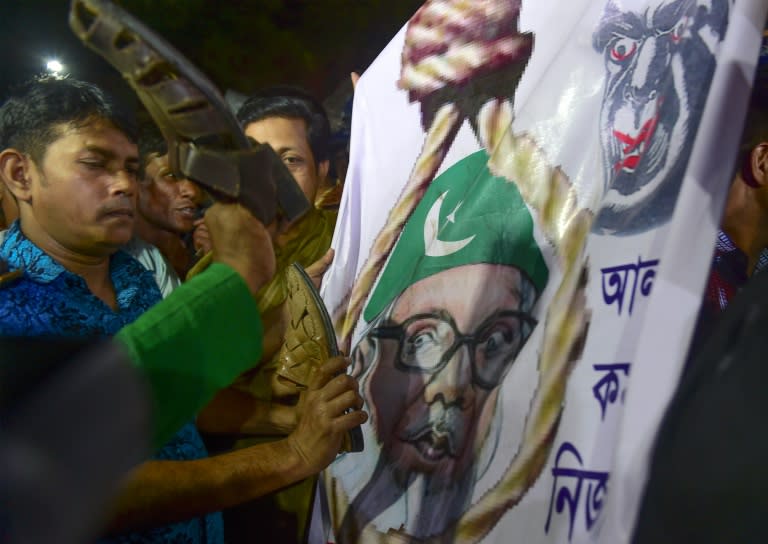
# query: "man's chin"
x,y
116,239
182,226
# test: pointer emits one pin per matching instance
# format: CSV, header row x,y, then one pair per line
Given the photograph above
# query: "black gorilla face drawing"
x,y
659,66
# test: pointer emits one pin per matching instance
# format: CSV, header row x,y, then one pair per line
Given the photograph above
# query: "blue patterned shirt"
x,y
49,300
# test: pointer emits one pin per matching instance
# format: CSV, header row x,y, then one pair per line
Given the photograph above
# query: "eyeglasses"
x,y
428,341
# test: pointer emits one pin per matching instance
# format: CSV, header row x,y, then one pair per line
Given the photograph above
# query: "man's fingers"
x,y
322,264
329,369
201,237
338,386
349,421
343,401
317,269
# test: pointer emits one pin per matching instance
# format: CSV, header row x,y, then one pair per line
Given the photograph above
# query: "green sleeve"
x,y
195,342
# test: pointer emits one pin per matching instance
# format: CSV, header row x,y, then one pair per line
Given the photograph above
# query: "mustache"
x,y
441,424
119,204
186,203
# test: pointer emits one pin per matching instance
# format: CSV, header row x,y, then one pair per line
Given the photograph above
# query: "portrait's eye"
x,y
500,341
679,31
425,342
622,49
421,342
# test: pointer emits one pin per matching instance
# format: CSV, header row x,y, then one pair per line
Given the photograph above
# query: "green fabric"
x,y
307,241
481,219
193,344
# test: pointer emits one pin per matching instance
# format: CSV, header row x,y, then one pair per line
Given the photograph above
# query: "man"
x,y
185,356
168,208
742,243
297,128
448,317
707,470
710,421
261,403
295,125
148,255
71,163
72,170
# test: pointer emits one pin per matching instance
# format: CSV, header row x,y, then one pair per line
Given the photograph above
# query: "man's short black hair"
x,y
150,141
29,117
292,103
755,130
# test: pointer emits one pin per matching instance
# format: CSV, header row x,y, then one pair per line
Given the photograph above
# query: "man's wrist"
x,y
284,418
295,466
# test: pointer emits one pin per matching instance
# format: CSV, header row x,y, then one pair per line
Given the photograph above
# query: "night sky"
x,y
238,44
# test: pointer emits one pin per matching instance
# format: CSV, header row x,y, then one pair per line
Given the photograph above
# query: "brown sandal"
x,y
309,340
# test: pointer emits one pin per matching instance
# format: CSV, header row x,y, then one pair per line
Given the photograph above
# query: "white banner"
x,y
523,240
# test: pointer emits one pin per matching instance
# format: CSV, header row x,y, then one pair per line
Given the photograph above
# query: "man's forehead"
x,y
96,134
157,159
280,128
154,164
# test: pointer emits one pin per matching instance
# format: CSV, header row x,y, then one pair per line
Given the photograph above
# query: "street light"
x,y
54,66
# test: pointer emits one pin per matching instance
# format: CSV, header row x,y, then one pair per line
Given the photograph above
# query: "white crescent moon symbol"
x,y
432,245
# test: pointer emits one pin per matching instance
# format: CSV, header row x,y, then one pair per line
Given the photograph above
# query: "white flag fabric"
x,y
523,240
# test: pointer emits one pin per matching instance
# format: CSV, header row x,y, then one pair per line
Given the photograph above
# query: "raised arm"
x,y
208,331
161,492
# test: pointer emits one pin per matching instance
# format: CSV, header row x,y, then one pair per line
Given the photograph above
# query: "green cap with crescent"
x,y
467,216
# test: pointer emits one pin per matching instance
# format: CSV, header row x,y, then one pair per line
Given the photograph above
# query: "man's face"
x,y
82,194
432,392
288,137
166,202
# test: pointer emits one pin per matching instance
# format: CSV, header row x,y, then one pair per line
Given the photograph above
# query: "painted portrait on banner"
x,y
456,302
450,314
659,60
491,312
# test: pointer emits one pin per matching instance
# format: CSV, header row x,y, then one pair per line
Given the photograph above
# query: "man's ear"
x,y
322,170
758,161
15,173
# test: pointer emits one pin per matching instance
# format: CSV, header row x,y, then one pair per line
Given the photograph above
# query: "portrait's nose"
x,y
646,65
453,383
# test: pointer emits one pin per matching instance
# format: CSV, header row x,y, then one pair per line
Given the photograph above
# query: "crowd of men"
x,y
103,234
98,231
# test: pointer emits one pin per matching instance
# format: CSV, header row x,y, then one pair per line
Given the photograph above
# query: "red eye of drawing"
x,y
677,33
623,49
